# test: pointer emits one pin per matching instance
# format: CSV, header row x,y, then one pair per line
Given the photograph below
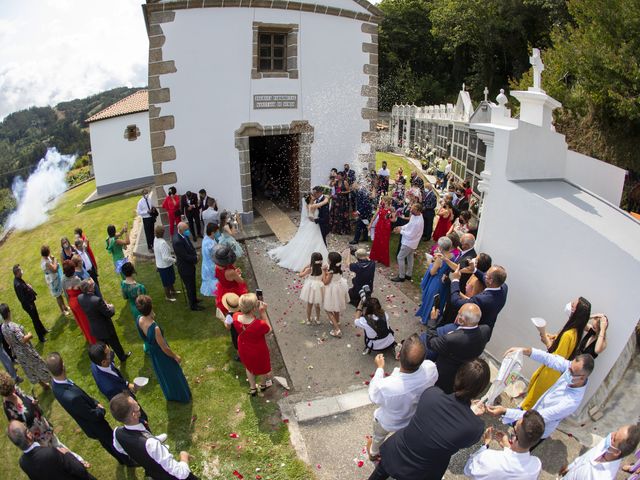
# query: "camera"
x,y
464,263
365,293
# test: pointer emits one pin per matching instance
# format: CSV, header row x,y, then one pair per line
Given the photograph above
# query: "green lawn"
x,y
220,404
394,162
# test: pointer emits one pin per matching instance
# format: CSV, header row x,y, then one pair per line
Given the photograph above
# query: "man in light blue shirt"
x,y
562,398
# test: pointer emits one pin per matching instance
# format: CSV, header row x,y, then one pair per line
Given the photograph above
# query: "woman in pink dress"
x,y
383,219
252,344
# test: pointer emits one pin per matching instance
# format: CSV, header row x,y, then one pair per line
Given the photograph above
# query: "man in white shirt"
x,y
210,214
143,448
562,398
397,395
144,209
603,461
513,462
411,235
87,263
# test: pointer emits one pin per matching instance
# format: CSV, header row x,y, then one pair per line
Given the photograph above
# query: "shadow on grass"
x,y
180,423
101,203
125,473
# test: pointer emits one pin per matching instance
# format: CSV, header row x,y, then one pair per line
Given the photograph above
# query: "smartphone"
x,y
259,294
436,301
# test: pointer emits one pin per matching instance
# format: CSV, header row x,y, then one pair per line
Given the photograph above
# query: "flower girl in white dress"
x,y
336,291
313,288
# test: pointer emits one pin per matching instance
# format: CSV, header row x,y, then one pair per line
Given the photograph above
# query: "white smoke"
x,y
41,191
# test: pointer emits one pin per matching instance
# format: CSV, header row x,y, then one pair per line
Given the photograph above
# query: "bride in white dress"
x,y
295,254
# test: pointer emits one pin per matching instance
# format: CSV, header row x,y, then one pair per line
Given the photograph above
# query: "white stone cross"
x,y
463,87
486,93
536,62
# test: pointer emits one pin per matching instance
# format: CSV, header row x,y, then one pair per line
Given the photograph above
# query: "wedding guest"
x,y
231,302
187,259
166,363
20,344
374,322
86,411
71,285
130,288
210,214
27,298
115,243
363,212
432,286
514,461
134,440
383,218
53,278
565,344
312,291
349,174
229,277
415,180
87,246
594,341
442,425
252,325
429,204
164,264
411,235
228,232
67,249
148,215
461,224
7,361
189,207
561,399
171,205
365,270
335,292
99,314
383,179
397,395
87,264
603,461
445,219
209,281
203,203
19,406
39,462
340,206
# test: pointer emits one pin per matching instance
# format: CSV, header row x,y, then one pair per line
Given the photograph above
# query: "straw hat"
x,y
224,256
231,301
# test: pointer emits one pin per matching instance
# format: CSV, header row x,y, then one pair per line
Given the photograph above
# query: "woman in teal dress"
x,y
432,281
115,244
166,363
131,289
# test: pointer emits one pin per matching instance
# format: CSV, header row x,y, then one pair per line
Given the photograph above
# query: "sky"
x,y
57,50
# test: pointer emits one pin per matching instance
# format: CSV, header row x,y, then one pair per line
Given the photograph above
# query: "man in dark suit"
x,y
364,210
365,271
456,347
491,300
468,253
191,210
429,203
187,259
86,411
45,463
323,213
99,315
108,378
27,297
442,425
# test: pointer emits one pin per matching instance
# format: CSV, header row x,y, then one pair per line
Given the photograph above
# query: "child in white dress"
x,y
336,291
312,289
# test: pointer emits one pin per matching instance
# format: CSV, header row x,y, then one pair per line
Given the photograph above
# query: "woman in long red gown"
x,y
445,220
252,345
172,205
382,233
229,277
71,284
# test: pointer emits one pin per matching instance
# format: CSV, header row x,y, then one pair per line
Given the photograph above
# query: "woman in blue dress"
x,y
166,363
209,244
431,284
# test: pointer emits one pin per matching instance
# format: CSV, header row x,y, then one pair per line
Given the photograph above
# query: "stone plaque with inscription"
x,y
275,101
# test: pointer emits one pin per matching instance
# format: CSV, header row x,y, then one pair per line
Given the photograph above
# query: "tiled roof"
x,y
137,102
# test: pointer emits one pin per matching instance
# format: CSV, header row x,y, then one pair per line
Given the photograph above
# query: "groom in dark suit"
x,y
187,259
323,213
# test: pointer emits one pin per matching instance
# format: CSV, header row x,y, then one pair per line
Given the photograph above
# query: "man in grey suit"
x,y
99,315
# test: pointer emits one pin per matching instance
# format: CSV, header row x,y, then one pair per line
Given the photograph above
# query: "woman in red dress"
x,y
252,345
382,232
445,219
229,277
172,205
71,285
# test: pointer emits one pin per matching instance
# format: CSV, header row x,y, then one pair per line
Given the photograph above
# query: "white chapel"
x,y
244,93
